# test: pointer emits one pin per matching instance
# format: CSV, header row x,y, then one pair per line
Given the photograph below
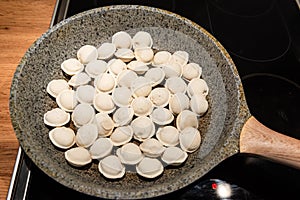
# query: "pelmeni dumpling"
x,y
172,70
83,114
144,54
54,87
124,54
168,135
143,128
141,86
130,154
121,40
121,135
104,82
186,118
179,102
106,50
149,167
161,58
190,139
72,66
62,137
174,156
142,39
160,96
104,123
101,148
111,167
96,67
85,94
103,103
116,66
152,148
161,116
86,135
123,116
176,85
155,75
199,104
125,78
197,86
180,57
56,117
191,71
66,100
122,96
142,106
87,53
138,66
81,78
78,156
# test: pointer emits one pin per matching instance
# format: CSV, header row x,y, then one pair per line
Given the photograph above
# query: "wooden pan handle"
x,y
258,139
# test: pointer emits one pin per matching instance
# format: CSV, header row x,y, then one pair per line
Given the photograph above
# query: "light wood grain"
x,y
21,23
257,139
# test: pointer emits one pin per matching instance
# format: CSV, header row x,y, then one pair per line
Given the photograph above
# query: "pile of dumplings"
x,y
131,105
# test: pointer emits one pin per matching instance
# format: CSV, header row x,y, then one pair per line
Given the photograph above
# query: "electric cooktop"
x,y
263,39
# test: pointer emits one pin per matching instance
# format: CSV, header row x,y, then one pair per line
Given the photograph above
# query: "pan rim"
x,y
243,113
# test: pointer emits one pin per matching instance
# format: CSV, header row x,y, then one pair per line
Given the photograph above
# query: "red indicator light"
x,y
214,186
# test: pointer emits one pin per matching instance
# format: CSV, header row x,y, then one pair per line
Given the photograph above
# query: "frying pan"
x,y
226,129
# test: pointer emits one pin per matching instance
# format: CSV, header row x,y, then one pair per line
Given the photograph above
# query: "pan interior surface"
x,y
220,127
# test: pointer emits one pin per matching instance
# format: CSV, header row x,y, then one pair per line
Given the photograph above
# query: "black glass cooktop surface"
x,y
263,39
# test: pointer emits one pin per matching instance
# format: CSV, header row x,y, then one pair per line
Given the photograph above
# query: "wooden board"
x,y
21,23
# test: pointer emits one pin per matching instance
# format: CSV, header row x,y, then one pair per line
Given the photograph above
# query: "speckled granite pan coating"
x,y
220,128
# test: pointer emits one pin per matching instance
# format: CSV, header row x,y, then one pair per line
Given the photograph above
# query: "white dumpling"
x,y
86,135
62,137
130,154
105,124
176,85
186,118
72,66
83,114
78,156
142,106
116,66
66,100
96,67
174,156
85,94
87,53
106,50
142,39
190,139
56,117
111,167
121,135
122,39
151,147
149,167
161,116
123,116
101,148
197,86
143,128
103,103
199,104
55,86
81,78
125,78
104,82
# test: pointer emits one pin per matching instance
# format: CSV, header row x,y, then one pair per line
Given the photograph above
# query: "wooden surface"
x,y
258,139
21,23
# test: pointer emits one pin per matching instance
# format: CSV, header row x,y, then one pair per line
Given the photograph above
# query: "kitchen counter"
x,y
21,23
